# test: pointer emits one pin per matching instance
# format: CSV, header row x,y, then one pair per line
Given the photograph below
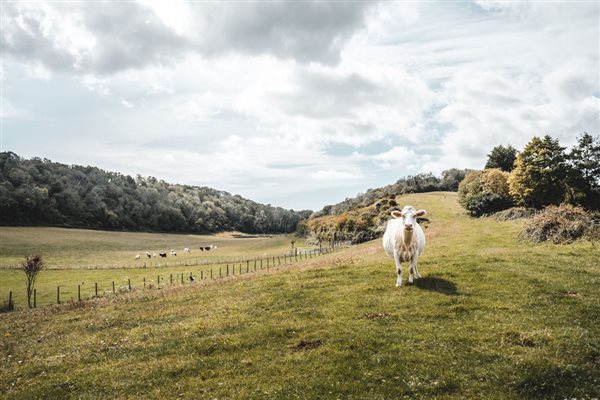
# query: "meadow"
x,y
87,257
492,318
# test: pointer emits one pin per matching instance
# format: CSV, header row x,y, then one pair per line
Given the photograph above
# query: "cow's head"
x,y
409,216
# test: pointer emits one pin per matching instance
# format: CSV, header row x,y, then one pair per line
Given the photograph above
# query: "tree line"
x,y
544,173
44,193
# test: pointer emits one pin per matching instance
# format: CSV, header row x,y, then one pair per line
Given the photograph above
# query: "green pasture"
x,y
73,248
61,246
492,318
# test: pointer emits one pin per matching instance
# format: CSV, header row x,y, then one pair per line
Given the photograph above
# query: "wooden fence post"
x,y
211,273
96,287
34,298
113,286
261,265
255,264
171,279
158,281
78,292
227,270
144,282
10,302
201,275
58,295
182,278
129,283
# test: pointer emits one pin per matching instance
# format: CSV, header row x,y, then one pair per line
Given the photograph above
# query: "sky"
x,y
295,104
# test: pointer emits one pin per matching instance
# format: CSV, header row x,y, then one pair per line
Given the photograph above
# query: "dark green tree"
x,y
502,157
540,174
584,174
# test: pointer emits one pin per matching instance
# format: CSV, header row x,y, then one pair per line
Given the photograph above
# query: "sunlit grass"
x,y
493,318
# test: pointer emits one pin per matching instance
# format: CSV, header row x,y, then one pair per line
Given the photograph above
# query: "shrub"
x,y
515,213
557,224
484,192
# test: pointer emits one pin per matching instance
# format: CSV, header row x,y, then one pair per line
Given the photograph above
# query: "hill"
x,y
492,318
363,217
44,193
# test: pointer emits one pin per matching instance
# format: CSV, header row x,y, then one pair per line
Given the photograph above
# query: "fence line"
x,y
259,264
191,262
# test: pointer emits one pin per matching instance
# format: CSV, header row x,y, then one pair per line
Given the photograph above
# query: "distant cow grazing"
x,y
148,255
186,250
404,241
154,255
163,255
137,257
173,252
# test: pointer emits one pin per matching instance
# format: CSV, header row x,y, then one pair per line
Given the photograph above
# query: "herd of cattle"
x,y
403,240
174,253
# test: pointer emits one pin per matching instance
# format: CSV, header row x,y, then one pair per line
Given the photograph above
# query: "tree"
x,y
584,174
31,267
485,192
539,176
502,157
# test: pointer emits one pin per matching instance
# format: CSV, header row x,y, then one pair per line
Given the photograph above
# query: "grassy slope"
x,y
80,247
70,248
492,318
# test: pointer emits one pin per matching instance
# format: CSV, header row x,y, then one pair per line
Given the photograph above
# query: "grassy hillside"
x,y
73,254
492,319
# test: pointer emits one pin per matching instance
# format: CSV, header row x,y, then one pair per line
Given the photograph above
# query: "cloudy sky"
x,y
298,104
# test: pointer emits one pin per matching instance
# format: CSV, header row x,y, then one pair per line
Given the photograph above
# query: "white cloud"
x,y
280,98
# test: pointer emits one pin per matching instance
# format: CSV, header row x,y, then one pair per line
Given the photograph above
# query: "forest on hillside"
x,y
420,183
45,193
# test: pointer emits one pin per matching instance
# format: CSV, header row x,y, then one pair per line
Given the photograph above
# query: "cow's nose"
x,y
408,225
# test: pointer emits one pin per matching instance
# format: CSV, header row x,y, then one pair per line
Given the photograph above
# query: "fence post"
x,y
10,303
211,273
220,273
34,298
113,286
144,283
182,278
171,279
261,265
227,270
247,266
201,275
96,287
129,283
78,292
58,295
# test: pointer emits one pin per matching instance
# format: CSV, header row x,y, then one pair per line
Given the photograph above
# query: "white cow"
x,y
173,252
137,257
404,240
186,250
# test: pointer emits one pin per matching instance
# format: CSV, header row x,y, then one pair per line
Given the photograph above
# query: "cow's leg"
x,y
411,270
398,268
416,270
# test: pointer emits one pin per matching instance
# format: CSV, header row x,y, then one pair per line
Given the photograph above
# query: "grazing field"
x,y
492,318
72,256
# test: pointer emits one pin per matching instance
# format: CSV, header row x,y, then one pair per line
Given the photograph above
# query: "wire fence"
x,y
218,270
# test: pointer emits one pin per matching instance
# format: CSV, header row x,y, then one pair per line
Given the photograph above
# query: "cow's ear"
x,y
421,213
396,214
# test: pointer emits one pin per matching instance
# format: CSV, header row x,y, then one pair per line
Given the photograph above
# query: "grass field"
x,y
493,318
72,255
